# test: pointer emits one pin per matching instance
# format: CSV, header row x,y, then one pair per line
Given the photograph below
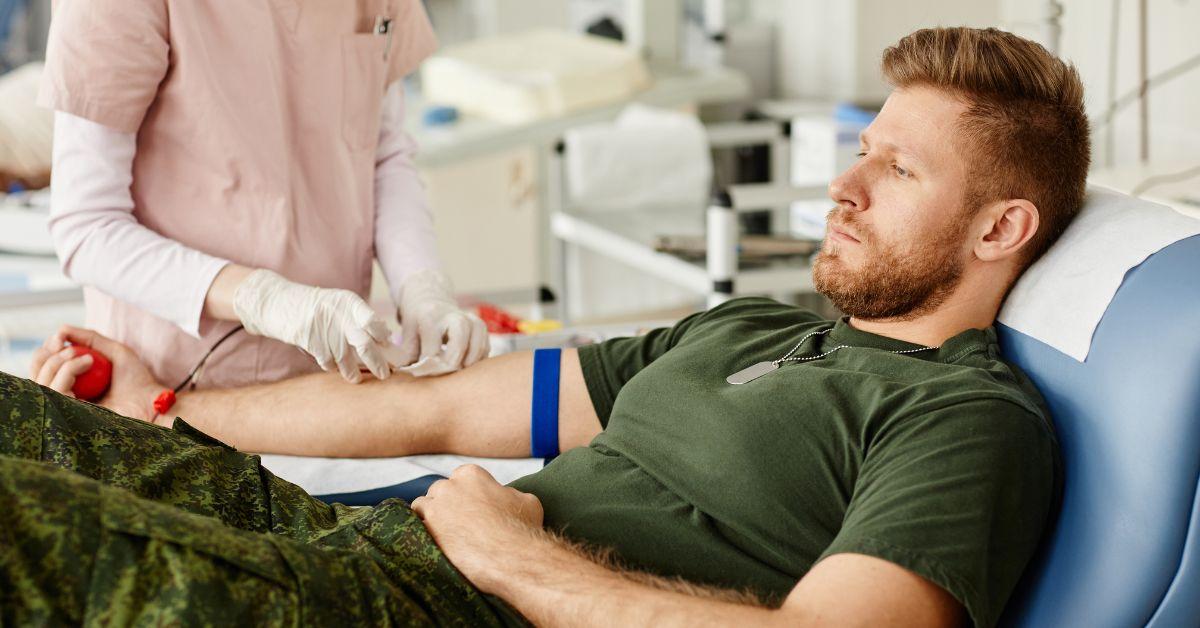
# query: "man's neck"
x,y
934,328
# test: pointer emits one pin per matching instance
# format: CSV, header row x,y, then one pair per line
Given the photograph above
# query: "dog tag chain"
x,y
755,371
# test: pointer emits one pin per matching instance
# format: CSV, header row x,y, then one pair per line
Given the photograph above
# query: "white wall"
x,y
1174,35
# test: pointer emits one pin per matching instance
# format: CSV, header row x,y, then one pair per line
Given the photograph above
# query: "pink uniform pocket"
x,y
364,75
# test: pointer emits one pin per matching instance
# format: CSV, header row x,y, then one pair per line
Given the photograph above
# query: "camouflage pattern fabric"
x,y
109,520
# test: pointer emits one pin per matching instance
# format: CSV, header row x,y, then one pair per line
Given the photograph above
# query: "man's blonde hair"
x,y
1024,134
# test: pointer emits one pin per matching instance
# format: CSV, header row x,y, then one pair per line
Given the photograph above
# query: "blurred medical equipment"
x,y
646,157
1125,550
503,214
824,143
529,76
23,28
26,130
25,217
590,222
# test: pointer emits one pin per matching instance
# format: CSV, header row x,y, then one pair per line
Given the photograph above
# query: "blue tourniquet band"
x,y
544,414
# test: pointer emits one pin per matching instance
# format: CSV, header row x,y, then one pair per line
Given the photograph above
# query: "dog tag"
x,y
751,373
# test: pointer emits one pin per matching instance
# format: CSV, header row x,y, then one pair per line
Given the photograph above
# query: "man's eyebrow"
x,y
888,146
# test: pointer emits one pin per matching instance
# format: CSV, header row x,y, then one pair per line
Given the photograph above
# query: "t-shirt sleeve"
x,y
105,60
609,364
959,495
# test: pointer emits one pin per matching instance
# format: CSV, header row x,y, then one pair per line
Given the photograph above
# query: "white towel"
x,y
331,476
647,157
1062,297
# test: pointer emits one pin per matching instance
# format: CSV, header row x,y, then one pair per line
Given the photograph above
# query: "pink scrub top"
x,y
257,123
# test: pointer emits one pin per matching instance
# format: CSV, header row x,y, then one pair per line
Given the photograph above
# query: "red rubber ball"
x,y
92,383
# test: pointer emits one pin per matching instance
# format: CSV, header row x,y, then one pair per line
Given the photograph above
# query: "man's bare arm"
x,y
493,535
483,410
553,585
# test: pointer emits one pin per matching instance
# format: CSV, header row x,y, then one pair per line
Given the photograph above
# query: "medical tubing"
x,y
200,364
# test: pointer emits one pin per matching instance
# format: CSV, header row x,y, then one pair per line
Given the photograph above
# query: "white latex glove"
x,y
429,317
334,326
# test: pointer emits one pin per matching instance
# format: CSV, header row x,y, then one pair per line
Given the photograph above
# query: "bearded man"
x,y
754,464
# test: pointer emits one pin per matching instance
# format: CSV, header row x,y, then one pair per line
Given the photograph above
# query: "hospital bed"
x,y
1125,549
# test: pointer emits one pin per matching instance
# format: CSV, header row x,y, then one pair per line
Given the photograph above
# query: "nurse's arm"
x,y
483,410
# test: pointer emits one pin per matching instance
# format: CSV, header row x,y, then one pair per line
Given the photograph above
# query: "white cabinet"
x,y
486,216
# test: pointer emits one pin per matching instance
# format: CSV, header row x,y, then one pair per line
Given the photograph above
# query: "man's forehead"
x,y
920,121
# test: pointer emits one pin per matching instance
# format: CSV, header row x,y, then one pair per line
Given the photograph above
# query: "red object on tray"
x,y
497,320
92,383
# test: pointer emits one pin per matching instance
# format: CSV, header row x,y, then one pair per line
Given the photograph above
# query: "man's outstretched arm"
x,y
483,410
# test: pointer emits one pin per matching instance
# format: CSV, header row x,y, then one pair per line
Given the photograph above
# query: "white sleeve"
x,y
404,238
98,240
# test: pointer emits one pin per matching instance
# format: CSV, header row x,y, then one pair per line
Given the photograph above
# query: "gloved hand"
x,y
333,326
429,317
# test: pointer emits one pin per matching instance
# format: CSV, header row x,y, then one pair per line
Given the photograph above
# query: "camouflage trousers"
x,y
109,520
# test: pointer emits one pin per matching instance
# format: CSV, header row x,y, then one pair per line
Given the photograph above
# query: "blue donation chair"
x,y
1125,550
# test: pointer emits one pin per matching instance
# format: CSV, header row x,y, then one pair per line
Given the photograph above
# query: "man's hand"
x,y
132,390
474,519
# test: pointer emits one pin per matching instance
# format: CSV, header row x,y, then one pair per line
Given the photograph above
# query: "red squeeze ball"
x,y
92,383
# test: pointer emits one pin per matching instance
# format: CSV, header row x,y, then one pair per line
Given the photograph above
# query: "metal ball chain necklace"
x,y
756,371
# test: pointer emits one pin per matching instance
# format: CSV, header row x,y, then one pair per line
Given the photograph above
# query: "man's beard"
x,y
892,284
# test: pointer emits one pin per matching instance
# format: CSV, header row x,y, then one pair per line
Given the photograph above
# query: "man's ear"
x,y
1006,229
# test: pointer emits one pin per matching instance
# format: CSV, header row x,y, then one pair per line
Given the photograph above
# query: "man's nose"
x,y
847,190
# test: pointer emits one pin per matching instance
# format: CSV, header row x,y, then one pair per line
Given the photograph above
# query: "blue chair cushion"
x,y
1125,550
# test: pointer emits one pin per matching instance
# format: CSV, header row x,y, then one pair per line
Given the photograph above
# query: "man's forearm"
x,y
482,410
319,415
555,584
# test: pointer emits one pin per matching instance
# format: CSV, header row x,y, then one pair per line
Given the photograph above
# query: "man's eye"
x,y
861,154
900,170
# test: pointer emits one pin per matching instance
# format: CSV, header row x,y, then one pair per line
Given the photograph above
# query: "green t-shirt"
x,y
943,462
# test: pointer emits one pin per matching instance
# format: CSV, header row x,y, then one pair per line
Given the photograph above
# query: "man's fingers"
x,y
472,471
40,355
65,378
436,488
52,364
54,342
92,338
